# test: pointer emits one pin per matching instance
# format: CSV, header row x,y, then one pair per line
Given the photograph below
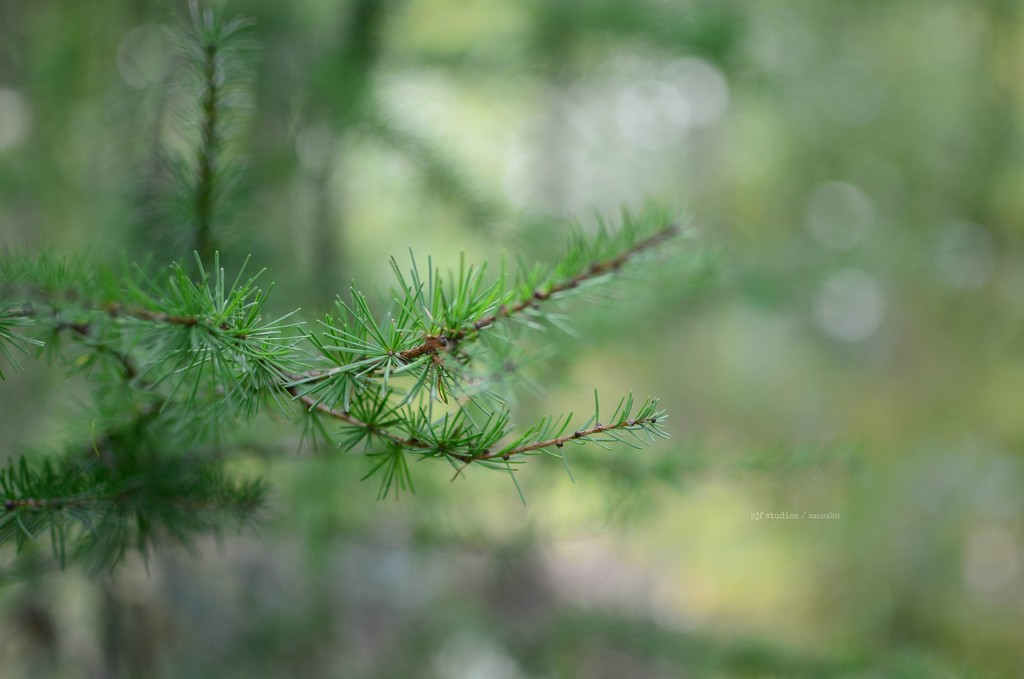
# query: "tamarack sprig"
x,y
180,359
174,350
386,376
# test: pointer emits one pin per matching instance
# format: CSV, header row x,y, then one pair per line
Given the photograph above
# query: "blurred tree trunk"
x,y
344,79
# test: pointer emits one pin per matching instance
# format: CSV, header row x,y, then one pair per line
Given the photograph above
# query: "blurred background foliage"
x,y
857,166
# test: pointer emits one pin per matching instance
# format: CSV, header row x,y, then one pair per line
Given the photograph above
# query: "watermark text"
x,y
793,516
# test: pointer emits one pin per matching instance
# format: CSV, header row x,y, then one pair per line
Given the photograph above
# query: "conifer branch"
x,y
210,44
647,419
452,337
187,354
416,445
128,491
205,244
117,310
81,330
638,423
201,345
200,352
443,330
595,270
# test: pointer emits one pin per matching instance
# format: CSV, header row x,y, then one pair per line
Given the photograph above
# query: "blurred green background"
x,y
856,166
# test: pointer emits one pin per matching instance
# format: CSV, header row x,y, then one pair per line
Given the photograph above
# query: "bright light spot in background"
x,y
838,215
143,56
657,113
990,559
15,118
850,306
466,655
652,114
965,255
703,87
612,138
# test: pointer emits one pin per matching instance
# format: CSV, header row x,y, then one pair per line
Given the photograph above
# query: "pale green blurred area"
x,y
859,168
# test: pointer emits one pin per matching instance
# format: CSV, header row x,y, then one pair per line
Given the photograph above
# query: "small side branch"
x,y
593,271
84,332
415,445
558,442
433,345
